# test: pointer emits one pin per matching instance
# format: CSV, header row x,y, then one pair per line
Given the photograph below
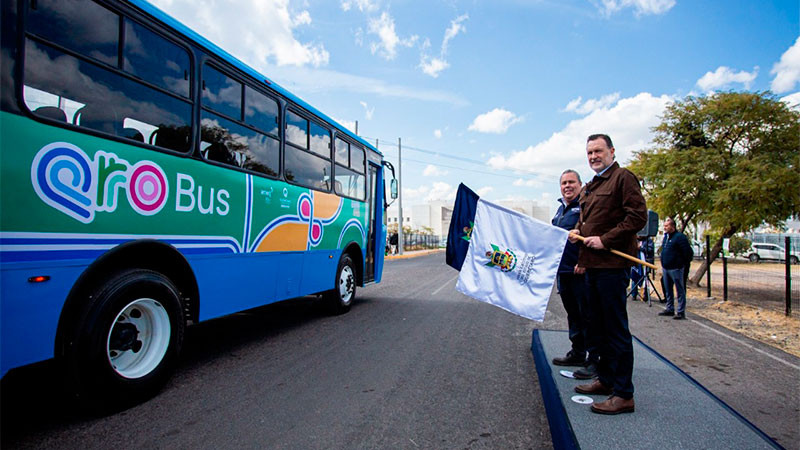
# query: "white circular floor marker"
x,y
582,399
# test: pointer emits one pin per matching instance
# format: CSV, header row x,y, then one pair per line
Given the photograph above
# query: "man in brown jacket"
x,y
612,211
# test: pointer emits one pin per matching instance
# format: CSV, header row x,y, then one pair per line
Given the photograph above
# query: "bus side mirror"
x,y
393,187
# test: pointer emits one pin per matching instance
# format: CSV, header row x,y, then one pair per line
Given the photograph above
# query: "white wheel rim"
x,y
347,284
150,339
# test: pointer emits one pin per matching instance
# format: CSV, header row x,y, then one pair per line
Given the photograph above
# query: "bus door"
x,y
374,203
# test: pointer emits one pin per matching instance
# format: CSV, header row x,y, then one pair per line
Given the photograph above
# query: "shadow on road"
x,y
36,399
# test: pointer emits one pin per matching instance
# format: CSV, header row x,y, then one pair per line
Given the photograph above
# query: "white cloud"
x,y
437,133
438,191
787,70
581,107
349,124
496,121
432,65
386,47
725,76
628,123
265,35
530,182
433,171
484,191
304,18
456,26
362,5
793,100
303,81
640,7
368,112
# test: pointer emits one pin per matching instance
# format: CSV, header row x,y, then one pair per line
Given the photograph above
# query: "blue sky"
x,y
501,94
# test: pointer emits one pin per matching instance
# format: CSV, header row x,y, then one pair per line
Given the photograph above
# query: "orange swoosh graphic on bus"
x,y
285,237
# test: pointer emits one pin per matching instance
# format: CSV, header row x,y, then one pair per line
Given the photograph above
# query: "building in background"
x,y
435,216
529,208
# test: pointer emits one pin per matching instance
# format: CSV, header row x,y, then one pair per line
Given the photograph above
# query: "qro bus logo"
x,y
69,181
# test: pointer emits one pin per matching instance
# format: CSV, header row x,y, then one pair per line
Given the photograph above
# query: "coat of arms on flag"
x,y
509,259
505,260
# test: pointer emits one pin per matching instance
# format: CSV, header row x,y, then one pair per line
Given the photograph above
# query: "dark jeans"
x,y
609,325
573,296
674,278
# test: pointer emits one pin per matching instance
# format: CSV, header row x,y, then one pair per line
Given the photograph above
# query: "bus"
x,y
148,181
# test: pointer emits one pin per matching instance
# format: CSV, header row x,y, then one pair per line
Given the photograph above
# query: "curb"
x,y
413,254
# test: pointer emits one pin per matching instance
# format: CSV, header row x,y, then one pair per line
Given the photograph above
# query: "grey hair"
x,y
571,171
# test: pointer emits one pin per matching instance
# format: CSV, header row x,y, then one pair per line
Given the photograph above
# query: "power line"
x,y
461,159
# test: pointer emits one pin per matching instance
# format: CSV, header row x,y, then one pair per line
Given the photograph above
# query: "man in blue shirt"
x,y
675,254
571,283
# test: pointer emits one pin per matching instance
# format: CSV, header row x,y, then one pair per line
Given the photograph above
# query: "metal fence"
x,y
762,276
420,241
414,241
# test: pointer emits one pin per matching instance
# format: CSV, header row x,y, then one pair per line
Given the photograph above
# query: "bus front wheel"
x,y
128,339
340,298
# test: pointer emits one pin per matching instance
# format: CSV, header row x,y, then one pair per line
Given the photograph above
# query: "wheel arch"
x,y
141,254
354,251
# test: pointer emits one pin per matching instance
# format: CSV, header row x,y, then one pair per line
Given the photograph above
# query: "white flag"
x,y
512,260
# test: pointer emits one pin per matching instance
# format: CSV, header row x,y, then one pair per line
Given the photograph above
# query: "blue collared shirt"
x,y
567,217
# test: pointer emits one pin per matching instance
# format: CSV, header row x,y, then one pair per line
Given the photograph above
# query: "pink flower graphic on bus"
x,y
65,178
306,209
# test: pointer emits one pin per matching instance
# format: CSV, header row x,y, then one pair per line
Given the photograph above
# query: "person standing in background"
x,y
676,253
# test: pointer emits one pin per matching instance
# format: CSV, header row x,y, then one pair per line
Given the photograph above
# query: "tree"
x,y
731,160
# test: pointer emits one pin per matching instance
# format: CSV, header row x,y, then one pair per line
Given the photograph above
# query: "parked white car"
x,y
774,252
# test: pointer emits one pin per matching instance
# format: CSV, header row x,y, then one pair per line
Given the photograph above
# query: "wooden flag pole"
x,y
619,253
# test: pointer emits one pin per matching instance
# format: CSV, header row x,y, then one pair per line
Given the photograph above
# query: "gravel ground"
x,y
756,302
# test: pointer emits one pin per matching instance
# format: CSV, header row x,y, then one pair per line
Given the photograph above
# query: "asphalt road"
x,y
414,364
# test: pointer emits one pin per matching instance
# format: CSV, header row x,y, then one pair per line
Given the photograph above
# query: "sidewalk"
x,y
685,416
414,253
757,380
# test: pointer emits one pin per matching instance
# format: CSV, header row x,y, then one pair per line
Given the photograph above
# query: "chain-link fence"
x,y
420,241
764,275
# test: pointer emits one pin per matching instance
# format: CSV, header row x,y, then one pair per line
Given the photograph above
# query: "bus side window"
x,y
89,85
308,153
296,130
79,25
155,59
222,93
232,144
51,112
350,179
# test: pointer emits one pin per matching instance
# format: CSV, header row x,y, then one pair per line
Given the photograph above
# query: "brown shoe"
x,y
614,405
593,388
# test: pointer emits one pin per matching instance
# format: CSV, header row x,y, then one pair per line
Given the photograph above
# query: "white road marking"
x,y
444,285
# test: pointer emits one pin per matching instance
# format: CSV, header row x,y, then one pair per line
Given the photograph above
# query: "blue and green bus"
x,y
149,180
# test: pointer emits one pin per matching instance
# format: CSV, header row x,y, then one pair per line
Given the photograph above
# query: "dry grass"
x,y
766,325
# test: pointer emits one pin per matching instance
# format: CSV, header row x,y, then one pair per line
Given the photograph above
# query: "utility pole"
x,y
356,128
400,196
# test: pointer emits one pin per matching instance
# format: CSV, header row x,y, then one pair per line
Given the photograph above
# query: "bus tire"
x,y
128,339
340,298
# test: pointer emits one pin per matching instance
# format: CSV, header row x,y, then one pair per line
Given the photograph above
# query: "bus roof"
x,y
202,41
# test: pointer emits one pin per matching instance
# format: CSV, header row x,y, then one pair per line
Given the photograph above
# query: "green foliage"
x,y
738,245
730,159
